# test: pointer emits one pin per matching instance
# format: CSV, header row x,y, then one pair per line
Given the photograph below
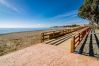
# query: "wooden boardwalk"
x,y
60,40
49,55
46,55
90,45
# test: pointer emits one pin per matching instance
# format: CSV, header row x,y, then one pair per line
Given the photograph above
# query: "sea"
x,y
11,30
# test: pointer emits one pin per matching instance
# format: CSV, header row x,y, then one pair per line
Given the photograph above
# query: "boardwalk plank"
x,y
90,45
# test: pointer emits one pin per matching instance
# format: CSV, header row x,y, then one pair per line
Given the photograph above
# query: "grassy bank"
x,y
15,41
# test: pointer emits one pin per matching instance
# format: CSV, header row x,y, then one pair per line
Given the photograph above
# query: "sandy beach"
x,y
14,41
18,40
10,42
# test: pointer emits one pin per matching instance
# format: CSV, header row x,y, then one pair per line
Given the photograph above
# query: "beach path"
x,y
90,45
46,55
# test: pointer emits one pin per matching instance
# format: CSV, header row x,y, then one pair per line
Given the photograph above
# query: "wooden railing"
x,y
78,38
54,34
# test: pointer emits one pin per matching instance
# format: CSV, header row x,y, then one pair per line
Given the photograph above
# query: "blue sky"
x,y
39,13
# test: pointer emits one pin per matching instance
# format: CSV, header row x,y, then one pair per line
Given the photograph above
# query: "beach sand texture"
x,y
15,41
19,40
46,55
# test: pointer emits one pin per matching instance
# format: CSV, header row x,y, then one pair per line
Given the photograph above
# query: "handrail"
x,y
78,38
57,33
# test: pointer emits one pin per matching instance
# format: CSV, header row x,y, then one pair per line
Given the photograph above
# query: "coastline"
x,y
19,30
14,41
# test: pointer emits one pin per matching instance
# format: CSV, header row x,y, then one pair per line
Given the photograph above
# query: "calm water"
x,y
10,30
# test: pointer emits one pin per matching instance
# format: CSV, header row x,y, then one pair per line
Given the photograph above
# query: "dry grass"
x,y
15,41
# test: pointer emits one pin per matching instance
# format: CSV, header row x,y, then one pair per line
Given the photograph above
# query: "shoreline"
x,y
14,41
10,32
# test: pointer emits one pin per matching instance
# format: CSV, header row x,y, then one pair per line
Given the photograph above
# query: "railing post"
x,y
73,45
42,37
86,31
79,38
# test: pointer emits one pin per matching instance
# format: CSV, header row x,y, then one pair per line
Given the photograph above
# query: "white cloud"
x,y
8,5
78,21
20,24
68,18
72,13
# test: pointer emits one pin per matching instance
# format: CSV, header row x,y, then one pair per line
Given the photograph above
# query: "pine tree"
x,y
90,10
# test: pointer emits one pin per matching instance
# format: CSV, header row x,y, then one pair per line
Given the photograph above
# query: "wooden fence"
x,y
78,38
54,34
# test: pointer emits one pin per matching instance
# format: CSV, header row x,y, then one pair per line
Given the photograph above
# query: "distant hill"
x,y
73,25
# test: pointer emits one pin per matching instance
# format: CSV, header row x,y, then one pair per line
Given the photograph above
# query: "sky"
x,y
39,13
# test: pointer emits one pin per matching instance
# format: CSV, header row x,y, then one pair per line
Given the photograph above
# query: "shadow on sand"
x,y
97,41
81,50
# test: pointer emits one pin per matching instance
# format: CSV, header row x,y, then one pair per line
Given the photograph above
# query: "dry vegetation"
x,y
15,41
19,40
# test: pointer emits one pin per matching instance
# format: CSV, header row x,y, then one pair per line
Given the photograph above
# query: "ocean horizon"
x,y
12,30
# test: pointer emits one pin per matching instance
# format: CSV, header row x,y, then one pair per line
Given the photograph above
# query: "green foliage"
x,y
75,25
90,10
